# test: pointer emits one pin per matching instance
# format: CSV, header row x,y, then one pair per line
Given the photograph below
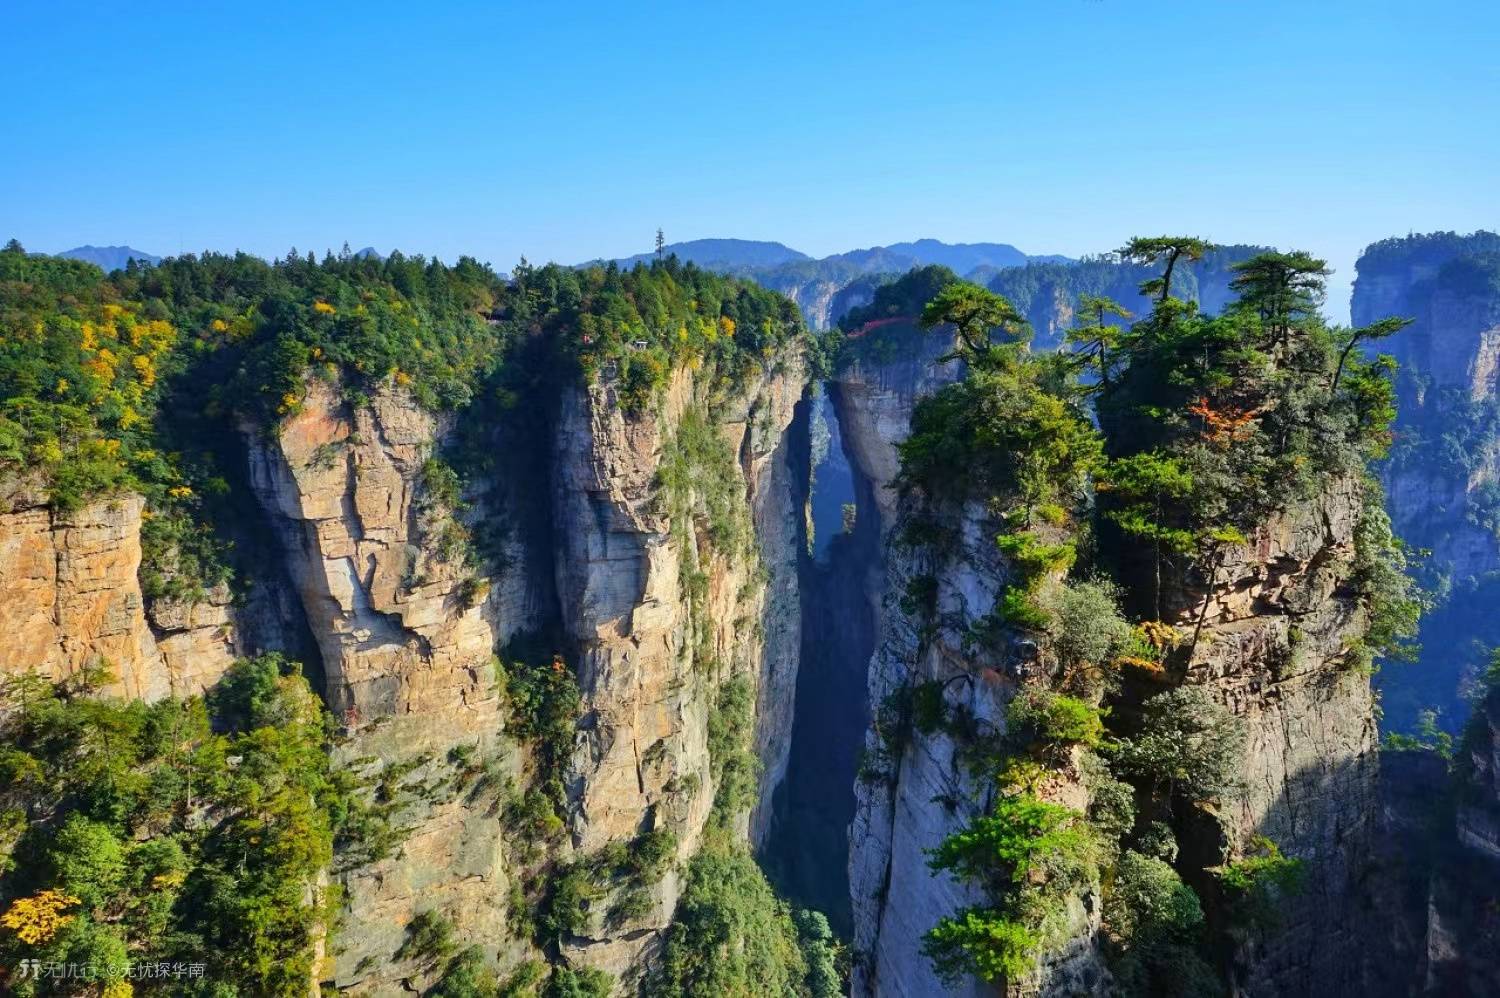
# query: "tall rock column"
x,y
652,658
407,632
1278,622
406,657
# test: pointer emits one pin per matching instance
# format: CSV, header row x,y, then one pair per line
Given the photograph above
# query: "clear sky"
x,y
571,131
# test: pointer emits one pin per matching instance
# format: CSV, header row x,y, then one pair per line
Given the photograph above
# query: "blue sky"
x,y
572,131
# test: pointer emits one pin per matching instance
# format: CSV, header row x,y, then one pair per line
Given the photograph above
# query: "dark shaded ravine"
x,y
807,851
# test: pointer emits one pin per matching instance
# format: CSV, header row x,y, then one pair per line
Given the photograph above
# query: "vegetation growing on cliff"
x,y
1155,931
888,327
733,936
188,831
1216,423
88,362
1029,856
1209,427
646,321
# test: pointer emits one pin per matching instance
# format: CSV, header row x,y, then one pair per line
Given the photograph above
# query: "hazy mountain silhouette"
x,y
109,258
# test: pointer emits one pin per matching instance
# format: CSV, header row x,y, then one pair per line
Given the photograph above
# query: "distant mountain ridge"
x,y
724,254
743,255
109,258
957,257
818,285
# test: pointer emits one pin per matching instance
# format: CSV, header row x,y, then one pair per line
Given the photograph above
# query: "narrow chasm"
x,y
807,850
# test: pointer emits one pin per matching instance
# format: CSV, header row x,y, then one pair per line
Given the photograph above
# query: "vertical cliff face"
x,y
1275,631
1277,624
1443,476
406,659
71,598
652,657
1439,871
841,569
1442,480
1267,632
1450,359
895,899
1462,922
343,486
919,786
408,628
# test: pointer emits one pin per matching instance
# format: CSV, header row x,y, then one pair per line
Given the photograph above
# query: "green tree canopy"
x,y
975,312
1165,250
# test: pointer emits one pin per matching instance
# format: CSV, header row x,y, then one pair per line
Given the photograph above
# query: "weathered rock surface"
x,y
406,659
1272,648
919,794
396,637
924,790
648,688
70,597
407,635
1278,624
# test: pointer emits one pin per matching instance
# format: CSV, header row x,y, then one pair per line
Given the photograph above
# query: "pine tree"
x,y
1282,288
1094,337
974,311
1167,250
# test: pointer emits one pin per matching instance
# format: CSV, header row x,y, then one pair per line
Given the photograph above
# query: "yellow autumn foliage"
x,y
38,918
166,881
1158,634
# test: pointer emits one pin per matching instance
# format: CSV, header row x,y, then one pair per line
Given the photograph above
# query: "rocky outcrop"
x,y
70,598
649,666
920,787
406,659
407,629
895,898
342,485
1278,623
1450,361
1274,627
816,300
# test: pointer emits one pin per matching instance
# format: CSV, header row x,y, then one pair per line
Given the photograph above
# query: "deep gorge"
x,y
838,575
